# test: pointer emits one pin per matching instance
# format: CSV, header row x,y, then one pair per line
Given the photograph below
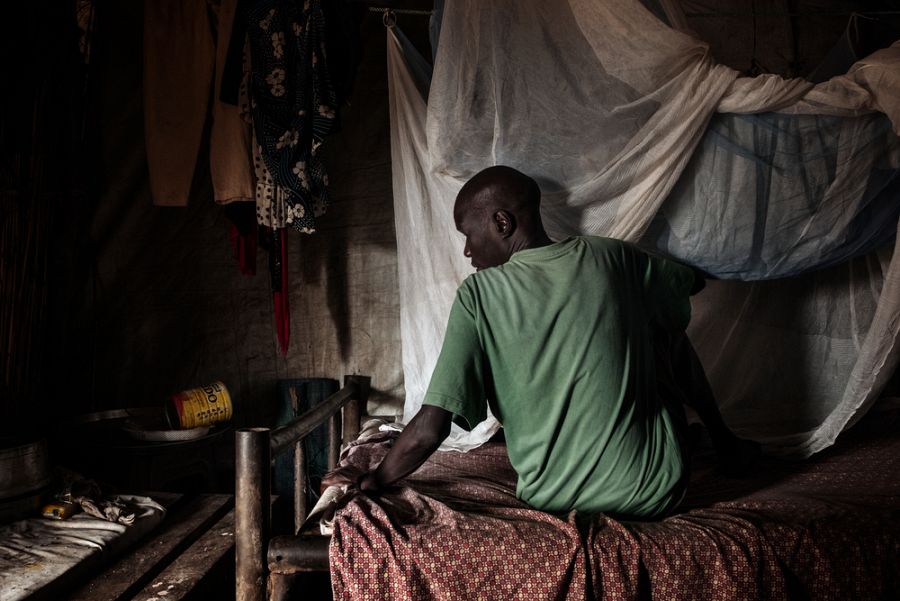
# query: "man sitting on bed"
x,y
578,347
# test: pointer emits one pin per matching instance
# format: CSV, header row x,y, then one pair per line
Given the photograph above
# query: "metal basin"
x,y
24,467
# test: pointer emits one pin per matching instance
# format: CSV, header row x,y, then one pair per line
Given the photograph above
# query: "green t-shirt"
x,y
559,340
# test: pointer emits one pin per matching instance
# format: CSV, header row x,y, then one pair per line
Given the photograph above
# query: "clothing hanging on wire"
x,y
293,104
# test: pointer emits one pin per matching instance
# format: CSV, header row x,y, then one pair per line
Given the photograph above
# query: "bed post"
x,y
252,512
334,439
300,476
254,449
353,411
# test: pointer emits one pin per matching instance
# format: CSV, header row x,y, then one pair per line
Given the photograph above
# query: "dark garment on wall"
x,y
293,102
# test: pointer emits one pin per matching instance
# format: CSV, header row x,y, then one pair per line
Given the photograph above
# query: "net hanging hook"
x,y
389,18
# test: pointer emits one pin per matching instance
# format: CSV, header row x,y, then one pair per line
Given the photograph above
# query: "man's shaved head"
x,y
499,212
500,187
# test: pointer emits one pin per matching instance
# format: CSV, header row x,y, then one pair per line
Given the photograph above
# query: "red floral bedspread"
x,y
826,528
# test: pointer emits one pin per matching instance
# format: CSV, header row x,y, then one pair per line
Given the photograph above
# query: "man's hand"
x,y
351,475
368,483
345,475
420,438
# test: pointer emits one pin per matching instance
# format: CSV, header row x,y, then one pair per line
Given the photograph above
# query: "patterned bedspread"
x,y
826,528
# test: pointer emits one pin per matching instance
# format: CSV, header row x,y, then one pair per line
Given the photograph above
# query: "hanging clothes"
x,y
185,46
293,105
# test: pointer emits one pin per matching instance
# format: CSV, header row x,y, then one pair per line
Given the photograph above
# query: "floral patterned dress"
x,y
293,106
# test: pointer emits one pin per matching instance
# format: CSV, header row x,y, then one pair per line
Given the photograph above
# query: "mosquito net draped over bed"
x,y
786,191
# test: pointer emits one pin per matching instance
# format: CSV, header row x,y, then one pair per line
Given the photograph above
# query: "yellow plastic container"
x,y
197,407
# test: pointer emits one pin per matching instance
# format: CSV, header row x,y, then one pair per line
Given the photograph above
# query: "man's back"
x,y
560,340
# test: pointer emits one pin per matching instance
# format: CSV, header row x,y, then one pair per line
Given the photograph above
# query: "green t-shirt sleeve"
x,y
457,383
668,285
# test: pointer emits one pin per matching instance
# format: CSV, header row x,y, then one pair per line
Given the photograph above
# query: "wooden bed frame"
x,y
257,553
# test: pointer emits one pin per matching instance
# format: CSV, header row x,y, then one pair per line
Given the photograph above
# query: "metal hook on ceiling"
x,y
389,18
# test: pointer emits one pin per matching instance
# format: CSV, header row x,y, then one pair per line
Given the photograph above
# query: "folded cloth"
x,y
113,509
323,511
75,488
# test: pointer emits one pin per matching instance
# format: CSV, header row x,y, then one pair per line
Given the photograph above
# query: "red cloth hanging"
x,y
243,248
244,243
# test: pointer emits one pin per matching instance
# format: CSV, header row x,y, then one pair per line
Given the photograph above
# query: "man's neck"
x,y
536,240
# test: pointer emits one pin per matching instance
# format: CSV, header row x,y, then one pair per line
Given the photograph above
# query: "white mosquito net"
x,y
787,191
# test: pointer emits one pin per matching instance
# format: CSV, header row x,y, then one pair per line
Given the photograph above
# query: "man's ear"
x,y
504,222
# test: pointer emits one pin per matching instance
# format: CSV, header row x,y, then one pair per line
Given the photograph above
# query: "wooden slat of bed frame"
x,y
184,574
293,554
187,519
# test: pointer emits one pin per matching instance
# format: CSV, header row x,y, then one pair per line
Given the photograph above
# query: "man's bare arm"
x,y
420,438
